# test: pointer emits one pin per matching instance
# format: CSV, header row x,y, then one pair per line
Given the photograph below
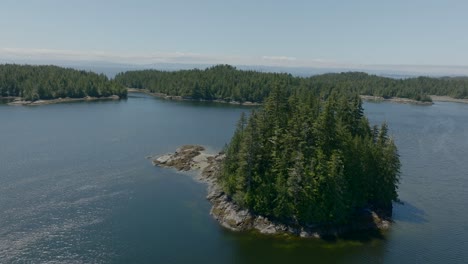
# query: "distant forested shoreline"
x,y
220,83
51,82
225,82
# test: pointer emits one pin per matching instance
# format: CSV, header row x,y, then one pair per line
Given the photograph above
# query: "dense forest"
x,y
304,160
50,82
219,82
224,82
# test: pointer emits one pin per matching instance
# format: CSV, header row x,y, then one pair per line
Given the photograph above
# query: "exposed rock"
x,y
182,159
186,98
19,101
394,100
448,99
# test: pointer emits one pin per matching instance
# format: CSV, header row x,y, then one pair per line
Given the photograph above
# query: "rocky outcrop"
x,y
19,101
394,100
185,98
233,217
448,99
185,158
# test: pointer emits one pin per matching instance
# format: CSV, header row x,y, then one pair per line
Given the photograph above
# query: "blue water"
x,y
75,187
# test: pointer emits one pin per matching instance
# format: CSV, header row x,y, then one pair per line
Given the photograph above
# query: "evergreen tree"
x,y
50,82
306,161
224,82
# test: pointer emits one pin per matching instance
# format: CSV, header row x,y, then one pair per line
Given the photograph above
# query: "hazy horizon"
x,y
112,68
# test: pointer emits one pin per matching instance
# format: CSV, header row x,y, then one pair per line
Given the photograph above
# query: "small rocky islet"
x,y
233,217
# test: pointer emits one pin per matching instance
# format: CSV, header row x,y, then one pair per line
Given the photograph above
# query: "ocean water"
x,y
75,187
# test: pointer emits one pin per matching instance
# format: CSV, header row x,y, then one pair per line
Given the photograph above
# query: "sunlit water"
x,y
75,187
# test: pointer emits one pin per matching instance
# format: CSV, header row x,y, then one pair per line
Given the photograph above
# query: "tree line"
x,y
224,82
50,82
304,160
221,82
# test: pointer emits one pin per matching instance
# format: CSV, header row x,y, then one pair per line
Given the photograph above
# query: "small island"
x,y
38,85
301,166
235,218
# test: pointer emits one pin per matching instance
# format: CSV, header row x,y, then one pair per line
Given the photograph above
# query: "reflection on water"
x,y
409,213
76,188
6,100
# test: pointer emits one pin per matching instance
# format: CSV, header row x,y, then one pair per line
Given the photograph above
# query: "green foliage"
x,y
414,88
224,82
303,160
50,82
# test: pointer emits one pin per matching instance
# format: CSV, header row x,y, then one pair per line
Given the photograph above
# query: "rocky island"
x,y
301,165
233,217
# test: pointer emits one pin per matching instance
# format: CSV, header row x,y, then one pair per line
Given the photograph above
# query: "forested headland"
x,y
224,82
306,161
51,82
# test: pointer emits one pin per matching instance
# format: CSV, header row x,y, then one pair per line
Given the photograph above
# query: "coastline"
x,y
394,100
182,98
233,217
19,101
371,98
439,98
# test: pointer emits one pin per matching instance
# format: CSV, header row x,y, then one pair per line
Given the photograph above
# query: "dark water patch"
x,y
409,213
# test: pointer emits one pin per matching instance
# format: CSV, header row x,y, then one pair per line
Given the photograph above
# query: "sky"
x,y
416,34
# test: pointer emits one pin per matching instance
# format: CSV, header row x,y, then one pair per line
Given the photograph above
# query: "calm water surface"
x,y
75,187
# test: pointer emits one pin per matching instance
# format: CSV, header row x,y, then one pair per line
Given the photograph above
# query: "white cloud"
x,y
279,58
148,58
50,55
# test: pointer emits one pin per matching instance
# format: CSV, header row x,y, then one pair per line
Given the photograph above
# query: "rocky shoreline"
x,y
182,98
448,99
20,101
247,103
394,100
232,217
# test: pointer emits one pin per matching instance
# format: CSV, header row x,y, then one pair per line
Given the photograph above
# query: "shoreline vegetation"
x,y
227,83
235,218
371,98
434,98
45,84
183,98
